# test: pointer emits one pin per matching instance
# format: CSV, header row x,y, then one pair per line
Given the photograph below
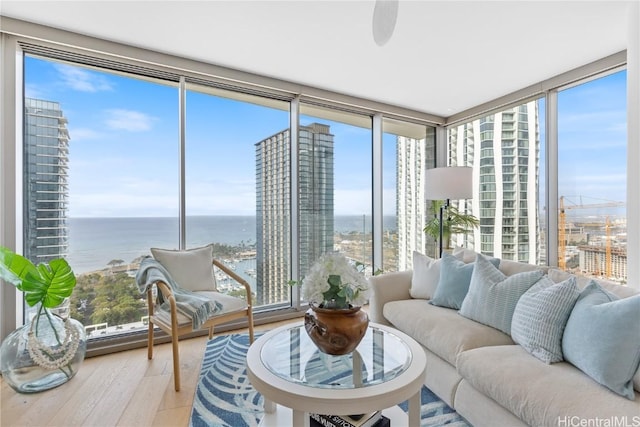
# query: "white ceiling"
x,y
444,56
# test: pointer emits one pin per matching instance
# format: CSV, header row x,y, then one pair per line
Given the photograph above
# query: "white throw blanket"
x,y
195,306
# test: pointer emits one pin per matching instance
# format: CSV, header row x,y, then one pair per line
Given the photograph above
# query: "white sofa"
x,y
487,378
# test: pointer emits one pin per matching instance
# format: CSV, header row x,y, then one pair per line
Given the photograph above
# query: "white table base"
x,y
282,417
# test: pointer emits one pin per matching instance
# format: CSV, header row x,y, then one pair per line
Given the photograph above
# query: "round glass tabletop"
x,y
380,357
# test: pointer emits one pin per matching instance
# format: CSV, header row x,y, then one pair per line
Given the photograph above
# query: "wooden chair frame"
x,y
176,331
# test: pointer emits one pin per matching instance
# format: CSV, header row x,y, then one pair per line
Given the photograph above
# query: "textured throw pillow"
x,y
602,338
191,269
454,280
426,273
541,316
492,296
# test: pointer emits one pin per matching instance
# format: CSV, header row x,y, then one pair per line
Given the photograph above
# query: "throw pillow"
x,y
601,338
541,315
426,273
454,280
492,296
191,269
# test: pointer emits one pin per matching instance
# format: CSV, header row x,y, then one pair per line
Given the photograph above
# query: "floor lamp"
x,y
446,184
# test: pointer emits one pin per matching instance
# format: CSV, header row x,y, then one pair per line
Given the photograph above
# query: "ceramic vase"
x,y
336,331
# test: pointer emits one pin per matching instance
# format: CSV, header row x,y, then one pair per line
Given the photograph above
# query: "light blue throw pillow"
x,y
455,277
541,316
602,338
493,296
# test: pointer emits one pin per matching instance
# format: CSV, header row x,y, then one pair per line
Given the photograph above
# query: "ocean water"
x,y
94,242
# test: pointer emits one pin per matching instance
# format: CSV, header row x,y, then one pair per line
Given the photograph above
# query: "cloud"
x,y
34,91
80,134
129,120
82,80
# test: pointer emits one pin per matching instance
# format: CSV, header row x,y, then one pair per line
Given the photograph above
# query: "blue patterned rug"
x,y
224,396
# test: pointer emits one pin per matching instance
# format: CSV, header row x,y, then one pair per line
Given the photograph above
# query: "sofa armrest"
x,y
385,288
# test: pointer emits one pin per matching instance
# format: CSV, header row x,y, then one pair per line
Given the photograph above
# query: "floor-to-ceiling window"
x,y
100,182
592,183
335,177
237,179
110,147
504,150
408,150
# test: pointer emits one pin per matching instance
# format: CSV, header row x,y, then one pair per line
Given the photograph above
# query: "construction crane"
x,y
562,239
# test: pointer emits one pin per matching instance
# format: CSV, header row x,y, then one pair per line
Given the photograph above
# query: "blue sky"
x,y
592,158
124,150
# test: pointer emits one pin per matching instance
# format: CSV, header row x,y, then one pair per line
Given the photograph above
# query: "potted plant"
x,y
48,350
335,290
454,222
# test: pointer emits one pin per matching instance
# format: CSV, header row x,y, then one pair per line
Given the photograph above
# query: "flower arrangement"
x,y
333,282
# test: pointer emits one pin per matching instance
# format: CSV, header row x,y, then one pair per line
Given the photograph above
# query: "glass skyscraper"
x,y
273,185
414,156
46,152
503,148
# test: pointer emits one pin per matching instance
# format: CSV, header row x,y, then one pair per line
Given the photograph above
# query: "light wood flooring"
x,y
120,389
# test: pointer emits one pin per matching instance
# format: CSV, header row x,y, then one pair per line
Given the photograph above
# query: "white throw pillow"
x,y
426,273
191,269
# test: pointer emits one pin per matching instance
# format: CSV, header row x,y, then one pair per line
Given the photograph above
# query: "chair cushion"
x,y
191,269
230,304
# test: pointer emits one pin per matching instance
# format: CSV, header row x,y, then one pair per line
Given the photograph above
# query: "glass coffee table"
x,y
295,378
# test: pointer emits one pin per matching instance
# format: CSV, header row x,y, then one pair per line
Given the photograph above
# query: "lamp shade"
x,y
448,183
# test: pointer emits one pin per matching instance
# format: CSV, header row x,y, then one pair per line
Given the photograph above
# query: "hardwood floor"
x,y
120,389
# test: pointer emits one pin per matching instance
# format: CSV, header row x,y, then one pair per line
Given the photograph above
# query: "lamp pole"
x,y
442,208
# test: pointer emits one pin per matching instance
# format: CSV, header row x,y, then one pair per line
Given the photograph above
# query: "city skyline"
x,y
112,118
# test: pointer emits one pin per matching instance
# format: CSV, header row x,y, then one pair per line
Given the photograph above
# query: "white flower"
x,y
332,277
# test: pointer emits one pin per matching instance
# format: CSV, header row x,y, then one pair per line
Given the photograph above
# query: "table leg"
x,y
269,406
300,418
414,410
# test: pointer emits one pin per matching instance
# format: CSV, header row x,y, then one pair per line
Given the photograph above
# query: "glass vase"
x,y
44,353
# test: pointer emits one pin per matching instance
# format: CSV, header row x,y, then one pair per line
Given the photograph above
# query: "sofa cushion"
x,y
602,338
541,315
492,296
508,267
453,284
538,393
441,330
426,274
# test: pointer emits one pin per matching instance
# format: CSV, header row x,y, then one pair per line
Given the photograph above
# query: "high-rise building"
x,y
504,150
46,155
414,156
273,185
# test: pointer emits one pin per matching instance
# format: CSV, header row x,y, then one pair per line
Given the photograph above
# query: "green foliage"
x,y
48,284
111,298
337,294
455,222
